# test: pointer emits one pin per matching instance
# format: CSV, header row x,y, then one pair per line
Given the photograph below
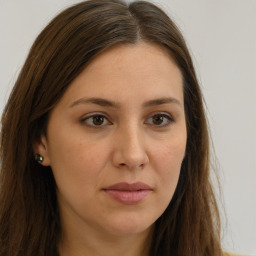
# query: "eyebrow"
x,y
106,103
97,101
161,101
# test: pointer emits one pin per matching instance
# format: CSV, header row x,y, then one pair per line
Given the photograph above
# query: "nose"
x,y
130,151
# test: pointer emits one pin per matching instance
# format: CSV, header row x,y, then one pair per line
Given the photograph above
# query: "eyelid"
x,y
93,114
166,115
96,113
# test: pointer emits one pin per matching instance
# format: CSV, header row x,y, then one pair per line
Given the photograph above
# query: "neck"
x,y
100,244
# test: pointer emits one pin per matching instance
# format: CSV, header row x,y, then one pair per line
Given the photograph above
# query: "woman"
x,y
104,141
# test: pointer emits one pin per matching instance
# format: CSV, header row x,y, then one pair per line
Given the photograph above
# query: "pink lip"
x,y
128,193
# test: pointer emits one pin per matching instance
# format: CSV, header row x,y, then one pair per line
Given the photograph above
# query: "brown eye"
x,y
157,119
160,120
98,120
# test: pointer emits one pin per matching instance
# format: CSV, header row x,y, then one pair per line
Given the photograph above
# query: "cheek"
x,y
77,168
92,158
168,164
75,165
76,154
171,154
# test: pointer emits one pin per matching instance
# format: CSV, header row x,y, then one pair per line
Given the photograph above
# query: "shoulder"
x,y
233,254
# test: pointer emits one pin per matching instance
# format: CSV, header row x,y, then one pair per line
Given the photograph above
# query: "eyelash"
x,y
166,118
86,120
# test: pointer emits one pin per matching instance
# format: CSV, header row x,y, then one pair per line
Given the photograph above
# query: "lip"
x,y
127,193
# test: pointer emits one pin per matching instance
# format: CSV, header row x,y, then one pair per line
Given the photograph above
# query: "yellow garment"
x,y
232,254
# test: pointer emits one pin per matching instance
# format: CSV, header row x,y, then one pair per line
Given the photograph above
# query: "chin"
x,y
130,225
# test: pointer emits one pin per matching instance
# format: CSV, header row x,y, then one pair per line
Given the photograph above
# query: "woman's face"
x,y
116,141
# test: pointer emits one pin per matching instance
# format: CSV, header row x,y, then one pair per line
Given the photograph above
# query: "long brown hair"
x,y
29,218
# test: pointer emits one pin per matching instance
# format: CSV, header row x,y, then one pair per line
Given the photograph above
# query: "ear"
x,y
41,148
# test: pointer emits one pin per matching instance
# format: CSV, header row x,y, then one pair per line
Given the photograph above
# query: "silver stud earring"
x,y
39,158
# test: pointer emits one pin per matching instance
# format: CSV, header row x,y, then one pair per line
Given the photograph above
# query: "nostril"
x,y
138,166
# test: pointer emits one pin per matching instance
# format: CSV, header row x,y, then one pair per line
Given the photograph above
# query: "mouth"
x,y
128,194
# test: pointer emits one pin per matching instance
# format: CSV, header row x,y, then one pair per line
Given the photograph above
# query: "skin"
x,y
136,139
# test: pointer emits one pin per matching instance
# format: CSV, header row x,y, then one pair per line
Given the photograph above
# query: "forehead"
x,y
144,68
144,56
